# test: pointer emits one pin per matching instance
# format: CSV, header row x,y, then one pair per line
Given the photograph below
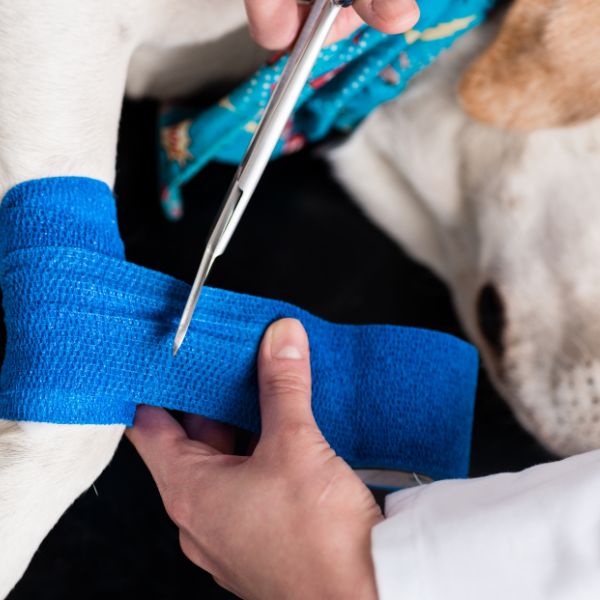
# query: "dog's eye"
x,y
491,317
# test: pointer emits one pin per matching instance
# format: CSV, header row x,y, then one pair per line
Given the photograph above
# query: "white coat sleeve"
x,y
533,535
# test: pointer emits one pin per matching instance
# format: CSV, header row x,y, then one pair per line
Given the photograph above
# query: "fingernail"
x,y
288,340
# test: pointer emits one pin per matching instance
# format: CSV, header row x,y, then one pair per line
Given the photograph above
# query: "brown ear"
x,y
543,69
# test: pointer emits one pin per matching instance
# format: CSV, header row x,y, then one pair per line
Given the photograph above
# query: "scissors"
x,y
293,78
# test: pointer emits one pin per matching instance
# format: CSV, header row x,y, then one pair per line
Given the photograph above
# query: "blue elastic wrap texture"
x,y
89,337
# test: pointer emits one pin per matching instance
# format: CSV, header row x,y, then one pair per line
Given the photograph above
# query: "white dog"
x,y
505,218
507,215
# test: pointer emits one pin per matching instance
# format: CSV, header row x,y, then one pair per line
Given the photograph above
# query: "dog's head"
x,y
497,188
536,309
542,69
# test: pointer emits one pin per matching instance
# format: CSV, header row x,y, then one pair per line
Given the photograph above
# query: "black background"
x,y
301,240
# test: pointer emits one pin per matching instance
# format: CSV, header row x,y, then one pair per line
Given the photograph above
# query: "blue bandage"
x,y
89,337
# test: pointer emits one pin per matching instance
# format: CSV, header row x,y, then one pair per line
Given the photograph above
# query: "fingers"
x,y
389,16
274,24
155,431
219,436
160,440
347,22
284,379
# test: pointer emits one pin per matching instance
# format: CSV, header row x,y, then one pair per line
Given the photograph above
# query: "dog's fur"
x,y
542,70
512,207
479,205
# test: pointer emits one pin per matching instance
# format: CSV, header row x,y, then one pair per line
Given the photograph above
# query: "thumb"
x,y
284,380
389,16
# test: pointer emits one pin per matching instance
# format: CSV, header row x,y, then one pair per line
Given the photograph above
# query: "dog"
x,y
488,171
472,185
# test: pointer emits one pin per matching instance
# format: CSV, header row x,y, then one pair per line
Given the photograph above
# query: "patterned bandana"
x,y
351,78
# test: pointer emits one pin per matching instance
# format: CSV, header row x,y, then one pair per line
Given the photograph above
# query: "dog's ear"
x,y
542,70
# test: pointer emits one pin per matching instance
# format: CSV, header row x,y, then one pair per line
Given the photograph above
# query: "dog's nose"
x,y
491,317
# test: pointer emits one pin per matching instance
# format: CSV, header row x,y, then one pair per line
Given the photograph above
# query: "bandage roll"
x,y
89,337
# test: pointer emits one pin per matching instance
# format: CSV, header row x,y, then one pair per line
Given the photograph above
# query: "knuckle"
x,y
187,547
295,429
290,383
292,431
178,507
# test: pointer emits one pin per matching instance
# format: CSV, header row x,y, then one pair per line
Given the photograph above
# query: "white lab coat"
x,y
533,535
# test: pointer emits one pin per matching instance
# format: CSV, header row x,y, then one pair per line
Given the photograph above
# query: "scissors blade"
x,y
277,112
217,242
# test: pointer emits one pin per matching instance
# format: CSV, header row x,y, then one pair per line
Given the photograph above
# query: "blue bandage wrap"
x,y
89,337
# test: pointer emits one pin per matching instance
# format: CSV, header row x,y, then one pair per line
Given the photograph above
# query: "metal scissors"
x,y
278,110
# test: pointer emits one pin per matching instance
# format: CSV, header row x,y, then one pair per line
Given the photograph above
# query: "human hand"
x,y
274,24
290,521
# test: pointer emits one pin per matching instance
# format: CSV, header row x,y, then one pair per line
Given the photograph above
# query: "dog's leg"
x,y
195,44
63,70
43,468
63,66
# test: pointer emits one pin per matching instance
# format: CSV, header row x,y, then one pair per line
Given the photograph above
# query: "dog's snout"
x,y
491,317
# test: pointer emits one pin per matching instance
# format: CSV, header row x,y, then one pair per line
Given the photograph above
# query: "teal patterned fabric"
x,y
351,78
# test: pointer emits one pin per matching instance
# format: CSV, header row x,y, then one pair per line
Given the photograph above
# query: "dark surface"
x,y
301,240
